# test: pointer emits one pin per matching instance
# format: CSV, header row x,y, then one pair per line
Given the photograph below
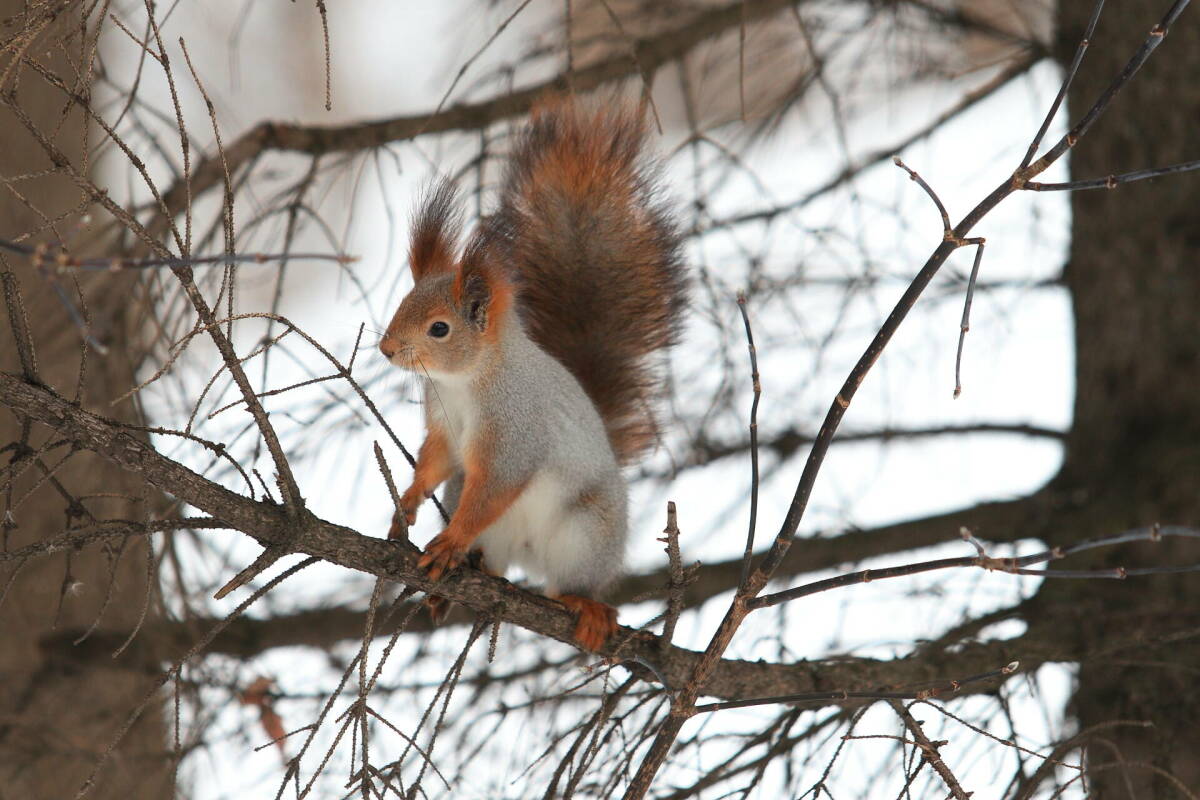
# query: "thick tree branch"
x,y
324,627
729,679
269,524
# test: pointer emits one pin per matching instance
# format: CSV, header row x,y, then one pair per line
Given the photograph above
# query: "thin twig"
x,y
1013,566
1156,36
395,495
968,101
947,228
475,57
289,489
677,580
58,260
1112,181
1080,49
929,751
756,385
328,66
965,324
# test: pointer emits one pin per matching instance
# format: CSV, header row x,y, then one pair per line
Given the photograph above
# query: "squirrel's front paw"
x,y
445,552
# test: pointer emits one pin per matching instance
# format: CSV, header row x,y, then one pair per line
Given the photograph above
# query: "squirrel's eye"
x,y
438,329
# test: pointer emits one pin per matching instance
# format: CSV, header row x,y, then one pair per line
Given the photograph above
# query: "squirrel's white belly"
x,y
537,533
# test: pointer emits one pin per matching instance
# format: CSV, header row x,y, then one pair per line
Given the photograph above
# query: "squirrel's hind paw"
x,y
597,621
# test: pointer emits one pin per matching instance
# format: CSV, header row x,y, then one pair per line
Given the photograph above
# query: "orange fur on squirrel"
x,y
537,343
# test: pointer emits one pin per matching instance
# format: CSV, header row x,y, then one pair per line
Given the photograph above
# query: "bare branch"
x,y
1112,181
651,53
929,751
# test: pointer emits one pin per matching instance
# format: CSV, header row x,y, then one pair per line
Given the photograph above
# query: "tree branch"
x,y
269,524
324,627
650,54
786,443
929,751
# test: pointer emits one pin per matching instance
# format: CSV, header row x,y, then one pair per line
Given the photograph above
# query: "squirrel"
x,y
536,343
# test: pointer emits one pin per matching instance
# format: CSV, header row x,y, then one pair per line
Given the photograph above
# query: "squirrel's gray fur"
x,y
569,525
537,347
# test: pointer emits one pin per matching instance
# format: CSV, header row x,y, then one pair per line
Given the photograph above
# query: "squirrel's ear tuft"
x,y
481,288
435,230
476,298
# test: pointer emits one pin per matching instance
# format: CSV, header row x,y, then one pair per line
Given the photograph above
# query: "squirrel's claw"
x,y
444,553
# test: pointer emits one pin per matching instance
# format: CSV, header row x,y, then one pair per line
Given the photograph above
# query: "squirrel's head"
x,y
450,321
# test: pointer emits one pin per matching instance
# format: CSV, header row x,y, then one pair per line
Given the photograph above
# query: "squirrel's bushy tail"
x,y
596,258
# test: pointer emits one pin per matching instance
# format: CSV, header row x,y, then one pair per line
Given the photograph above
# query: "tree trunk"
x,y
1133,454
58,715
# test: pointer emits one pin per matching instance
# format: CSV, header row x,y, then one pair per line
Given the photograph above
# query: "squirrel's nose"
x,y
388,347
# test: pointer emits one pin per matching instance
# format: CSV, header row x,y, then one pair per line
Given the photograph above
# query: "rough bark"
x,y
324,627
270,525
58,714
